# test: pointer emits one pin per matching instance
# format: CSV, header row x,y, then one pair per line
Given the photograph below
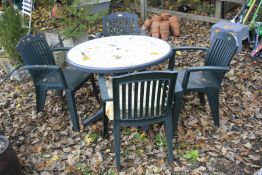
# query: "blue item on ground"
x,y
240,31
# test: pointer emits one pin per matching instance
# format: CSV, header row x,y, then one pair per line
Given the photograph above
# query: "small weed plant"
x,y
140,136
192,155
91,137
84,169
160,140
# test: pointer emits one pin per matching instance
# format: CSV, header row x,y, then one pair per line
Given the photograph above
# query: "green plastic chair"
x,y
141,99
39,60
120,23
207,79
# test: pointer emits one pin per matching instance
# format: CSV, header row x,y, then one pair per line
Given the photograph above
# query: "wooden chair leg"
x,y
72,110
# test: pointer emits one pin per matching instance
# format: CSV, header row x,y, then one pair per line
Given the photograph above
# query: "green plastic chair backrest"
x,y
120,23
34,50
143,95
222,50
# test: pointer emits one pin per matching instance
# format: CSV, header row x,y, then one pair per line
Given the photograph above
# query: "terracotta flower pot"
x,y
164,30
174,25
155,29
147,24
156,18
57,11
164,16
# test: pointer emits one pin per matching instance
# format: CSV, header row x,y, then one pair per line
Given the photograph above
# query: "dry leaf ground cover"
x,y
45,143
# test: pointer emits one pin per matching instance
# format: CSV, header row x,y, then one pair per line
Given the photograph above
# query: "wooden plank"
x,y
143,9
235,1
218,12
189,16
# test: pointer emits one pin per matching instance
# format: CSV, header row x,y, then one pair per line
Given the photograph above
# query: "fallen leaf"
x,y
248,145
198,170
55,157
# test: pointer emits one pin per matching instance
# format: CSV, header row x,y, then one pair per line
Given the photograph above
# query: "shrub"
x,y
76,20
10,32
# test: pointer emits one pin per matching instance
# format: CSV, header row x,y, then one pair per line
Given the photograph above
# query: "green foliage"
x,y
155,3
140,136
84,169
44,3
160,140
76,20
192,155
92,137
10,32
111,172
127,131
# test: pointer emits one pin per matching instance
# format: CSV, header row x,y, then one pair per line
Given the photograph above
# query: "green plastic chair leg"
x,y
213,99
72,110
94,87
105,122
116,133
176,111
169,138
40,98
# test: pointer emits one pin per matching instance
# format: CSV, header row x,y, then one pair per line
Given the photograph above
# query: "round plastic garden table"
x,y
118,54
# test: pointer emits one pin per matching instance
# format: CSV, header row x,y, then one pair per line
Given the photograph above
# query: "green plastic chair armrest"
x,y
103,89
201,68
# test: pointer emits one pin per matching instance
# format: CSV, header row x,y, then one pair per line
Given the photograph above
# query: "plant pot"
x,y
9,164
155,29
164,30
147,24
57,10
164,16
174,25
156,18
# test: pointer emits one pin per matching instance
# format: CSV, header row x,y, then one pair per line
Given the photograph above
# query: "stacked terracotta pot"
x,y
159,26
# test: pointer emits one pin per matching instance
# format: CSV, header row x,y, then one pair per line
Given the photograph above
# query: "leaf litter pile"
x,y
45,143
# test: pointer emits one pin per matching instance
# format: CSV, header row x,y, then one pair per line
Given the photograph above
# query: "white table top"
x,y
116,54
